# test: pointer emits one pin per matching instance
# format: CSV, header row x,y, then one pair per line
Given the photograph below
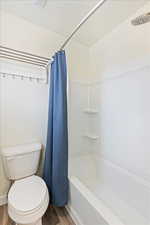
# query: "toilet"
x,y
28,197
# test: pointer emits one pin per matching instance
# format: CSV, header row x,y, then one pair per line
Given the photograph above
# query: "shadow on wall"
x,y
4,183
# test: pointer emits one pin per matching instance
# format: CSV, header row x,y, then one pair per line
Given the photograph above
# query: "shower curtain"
x,y
56,156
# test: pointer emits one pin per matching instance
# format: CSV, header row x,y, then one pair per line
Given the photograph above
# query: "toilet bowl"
x,y
28,197
28,200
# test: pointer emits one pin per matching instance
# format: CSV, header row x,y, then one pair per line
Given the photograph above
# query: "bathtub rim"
x,y
98,205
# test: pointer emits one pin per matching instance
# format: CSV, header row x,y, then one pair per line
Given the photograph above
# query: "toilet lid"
x,y
27,194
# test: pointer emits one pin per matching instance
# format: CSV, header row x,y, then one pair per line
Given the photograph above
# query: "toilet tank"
x,y
21,161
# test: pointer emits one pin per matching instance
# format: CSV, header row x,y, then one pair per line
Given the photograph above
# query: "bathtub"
x,y
102,193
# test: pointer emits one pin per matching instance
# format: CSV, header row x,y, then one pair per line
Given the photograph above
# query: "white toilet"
x,y
28,196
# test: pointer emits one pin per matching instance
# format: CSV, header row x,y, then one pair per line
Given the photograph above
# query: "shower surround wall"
x,y
116,167
23,104
121,65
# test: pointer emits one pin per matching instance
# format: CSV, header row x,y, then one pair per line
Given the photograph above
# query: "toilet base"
x,y
39,222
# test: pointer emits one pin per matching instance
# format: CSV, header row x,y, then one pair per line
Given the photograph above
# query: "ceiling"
x,y
62,16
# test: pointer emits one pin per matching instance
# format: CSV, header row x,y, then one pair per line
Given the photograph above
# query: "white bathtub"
x,y
104,194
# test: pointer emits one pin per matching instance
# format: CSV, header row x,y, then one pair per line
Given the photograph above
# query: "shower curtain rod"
x,y
82,22
21,56
90,13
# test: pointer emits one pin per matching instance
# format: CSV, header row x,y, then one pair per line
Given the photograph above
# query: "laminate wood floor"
x,y
53,216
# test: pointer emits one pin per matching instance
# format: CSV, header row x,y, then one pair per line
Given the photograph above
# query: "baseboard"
x,y
3,200
74,216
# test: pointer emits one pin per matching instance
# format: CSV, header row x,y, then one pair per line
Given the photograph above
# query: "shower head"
x,y
145,18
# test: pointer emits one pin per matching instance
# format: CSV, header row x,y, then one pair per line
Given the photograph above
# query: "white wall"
x,y
23,109
22,35
120,63
24,104
124,49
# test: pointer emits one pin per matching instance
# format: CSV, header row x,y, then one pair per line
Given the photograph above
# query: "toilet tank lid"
x,y
21,149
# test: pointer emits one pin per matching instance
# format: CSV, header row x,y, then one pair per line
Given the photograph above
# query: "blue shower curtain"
x,y
56,156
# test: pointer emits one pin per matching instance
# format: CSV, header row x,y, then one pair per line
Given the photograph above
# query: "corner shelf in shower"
x,y
90,111
91,137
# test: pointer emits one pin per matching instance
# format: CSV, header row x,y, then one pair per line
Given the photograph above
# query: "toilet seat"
x,y
28,199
